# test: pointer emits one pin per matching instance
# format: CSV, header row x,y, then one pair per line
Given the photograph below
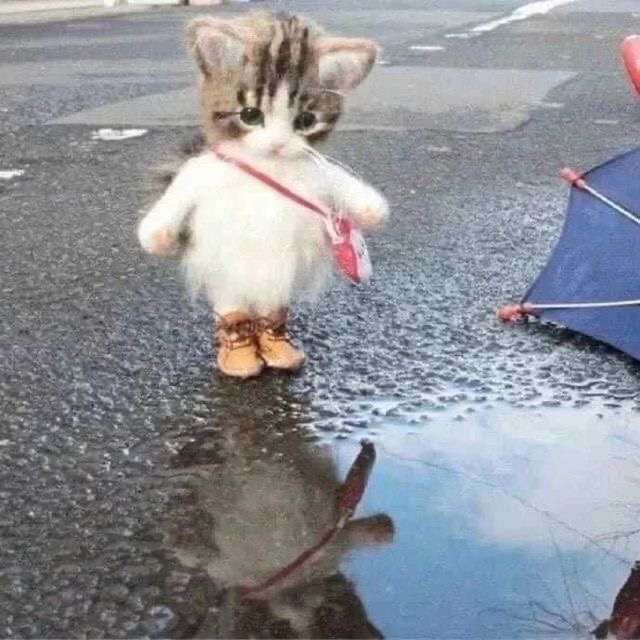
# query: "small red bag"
x,y
350,251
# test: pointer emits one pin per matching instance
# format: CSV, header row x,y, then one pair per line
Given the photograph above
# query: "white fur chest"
x,y
239,211
250,245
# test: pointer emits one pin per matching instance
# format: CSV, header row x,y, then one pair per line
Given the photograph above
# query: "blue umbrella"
x,y
591,283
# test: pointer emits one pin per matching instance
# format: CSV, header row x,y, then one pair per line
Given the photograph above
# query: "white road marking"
x,y
524,12
459,36
435,149
426,47
11,173
117,134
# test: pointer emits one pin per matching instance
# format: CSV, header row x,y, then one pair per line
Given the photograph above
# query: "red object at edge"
x,y
515,312
630,49
573,178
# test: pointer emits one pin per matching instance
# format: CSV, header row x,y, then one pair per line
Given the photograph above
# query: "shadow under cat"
x,y
258,493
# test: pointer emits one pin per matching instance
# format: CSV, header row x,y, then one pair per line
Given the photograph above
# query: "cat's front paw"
x,y
161,241
373,215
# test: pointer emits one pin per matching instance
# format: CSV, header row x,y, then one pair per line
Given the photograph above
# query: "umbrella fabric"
x,y
597,259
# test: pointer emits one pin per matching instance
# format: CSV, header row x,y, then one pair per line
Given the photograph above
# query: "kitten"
x,y
271,87
256,509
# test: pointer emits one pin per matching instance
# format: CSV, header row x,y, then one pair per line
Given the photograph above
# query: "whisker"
x,y
318,159
334,91
331,160
221,115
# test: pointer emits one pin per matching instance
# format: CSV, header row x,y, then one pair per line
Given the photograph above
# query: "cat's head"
x,y
274,84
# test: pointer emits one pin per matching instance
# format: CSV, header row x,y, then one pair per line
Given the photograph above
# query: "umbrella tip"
x,y
572,177
515,312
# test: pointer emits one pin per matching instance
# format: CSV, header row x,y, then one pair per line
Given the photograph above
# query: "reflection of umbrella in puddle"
x,y
624,623
591,283
349,497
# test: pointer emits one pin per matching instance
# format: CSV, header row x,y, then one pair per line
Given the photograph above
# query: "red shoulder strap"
x,y
269,181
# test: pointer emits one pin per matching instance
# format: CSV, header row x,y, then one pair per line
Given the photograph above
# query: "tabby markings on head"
x,y
278,57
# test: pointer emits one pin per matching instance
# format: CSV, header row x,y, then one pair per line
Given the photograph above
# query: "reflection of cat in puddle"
x,y
259,507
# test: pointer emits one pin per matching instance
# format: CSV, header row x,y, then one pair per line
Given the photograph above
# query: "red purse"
x,y
350,251
348,245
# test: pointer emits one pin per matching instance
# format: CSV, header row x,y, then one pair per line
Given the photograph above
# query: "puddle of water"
x,y
265,500
510,523
507,525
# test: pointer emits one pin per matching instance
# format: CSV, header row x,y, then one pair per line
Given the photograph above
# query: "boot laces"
x,y
276,331
237,335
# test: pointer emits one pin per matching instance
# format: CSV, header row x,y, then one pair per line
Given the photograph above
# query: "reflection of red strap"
x,y
306,558
269,181
351,493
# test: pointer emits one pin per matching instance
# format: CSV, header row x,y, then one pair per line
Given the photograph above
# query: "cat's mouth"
x,y
283,151
273,146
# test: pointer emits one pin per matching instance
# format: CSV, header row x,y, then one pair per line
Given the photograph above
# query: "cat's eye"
x,y
304,120
252,116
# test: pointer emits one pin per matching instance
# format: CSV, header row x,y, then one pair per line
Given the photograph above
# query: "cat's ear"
x,y
217,45
344,62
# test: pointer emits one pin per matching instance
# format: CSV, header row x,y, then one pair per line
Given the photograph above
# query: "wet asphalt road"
x,y
139,489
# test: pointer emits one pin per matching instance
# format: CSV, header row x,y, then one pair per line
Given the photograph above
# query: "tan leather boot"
x,y
237,346
275,345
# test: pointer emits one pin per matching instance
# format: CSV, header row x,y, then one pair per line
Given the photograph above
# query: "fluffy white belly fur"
x,y
252,250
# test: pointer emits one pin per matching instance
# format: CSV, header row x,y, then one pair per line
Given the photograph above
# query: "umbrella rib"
x,y
587,305
515,312
578,181
621,210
